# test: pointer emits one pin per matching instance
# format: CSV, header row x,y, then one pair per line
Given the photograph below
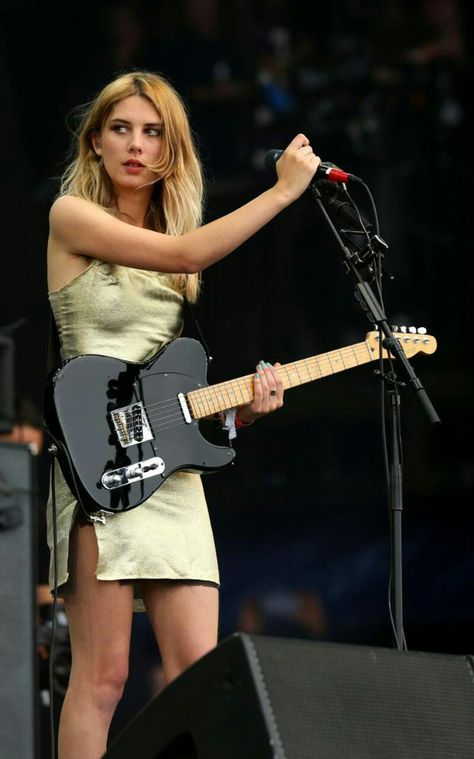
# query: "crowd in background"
x,y
367,79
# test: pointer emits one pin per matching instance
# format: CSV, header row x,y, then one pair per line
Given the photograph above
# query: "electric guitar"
x,y
122,428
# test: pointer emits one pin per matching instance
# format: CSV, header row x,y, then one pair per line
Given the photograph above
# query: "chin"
x,y
131,183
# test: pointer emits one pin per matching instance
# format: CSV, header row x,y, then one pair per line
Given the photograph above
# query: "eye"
x,y
155,131
119,128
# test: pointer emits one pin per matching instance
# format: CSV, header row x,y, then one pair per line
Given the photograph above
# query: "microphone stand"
x,y
362,266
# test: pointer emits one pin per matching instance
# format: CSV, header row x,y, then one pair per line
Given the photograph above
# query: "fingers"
x,y
296,167
299,141
267,394
301,148
268,389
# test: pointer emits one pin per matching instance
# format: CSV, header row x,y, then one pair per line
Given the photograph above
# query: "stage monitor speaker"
x,y
255,697
18,682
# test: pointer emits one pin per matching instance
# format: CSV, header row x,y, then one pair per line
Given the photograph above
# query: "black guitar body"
x,y
122,428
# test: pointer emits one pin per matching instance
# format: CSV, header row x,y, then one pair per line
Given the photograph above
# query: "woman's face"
x,y
129,139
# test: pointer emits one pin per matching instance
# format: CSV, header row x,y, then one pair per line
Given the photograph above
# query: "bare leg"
x,y
99,615
184,618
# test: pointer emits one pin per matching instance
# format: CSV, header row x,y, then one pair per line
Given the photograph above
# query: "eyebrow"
x,y
149,124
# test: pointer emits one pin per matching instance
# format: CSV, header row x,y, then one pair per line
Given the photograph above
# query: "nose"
x,y
135,145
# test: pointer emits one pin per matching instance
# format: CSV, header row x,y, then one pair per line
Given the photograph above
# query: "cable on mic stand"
x,y
364,262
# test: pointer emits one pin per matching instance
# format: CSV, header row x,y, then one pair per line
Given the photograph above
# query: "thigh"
x,y
99,613
184,617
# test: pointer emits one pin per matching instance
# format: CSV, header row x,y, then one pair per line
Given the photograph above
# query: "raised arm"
x,y
81,228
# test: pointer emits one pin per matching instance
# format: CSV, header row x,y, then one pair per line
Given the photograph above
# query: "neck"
x,y
133,205
210,400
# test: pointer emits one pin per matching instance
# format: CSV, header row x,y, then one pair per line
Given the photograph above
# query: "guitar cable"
x,y
55,601
53,450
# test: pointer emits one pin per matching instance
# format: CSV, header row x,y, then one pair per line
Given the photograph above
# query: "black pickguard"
x,y
82,392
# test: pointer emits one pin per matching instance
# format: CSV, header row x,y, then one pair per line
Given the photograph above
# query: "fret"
x,y
370,356
341,355
205,402
194,400
223,396
239,388
222,399
288,378
232,390
300,381
210,400
324,365
330,362
305,362
318,367
353,349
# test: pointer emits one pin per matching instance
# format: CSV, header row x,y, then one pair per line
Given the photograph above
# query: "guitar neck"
x,y
210,400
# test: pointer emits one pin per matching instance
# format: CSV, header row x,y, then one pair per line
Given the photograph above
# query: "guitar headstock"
x,y
412,340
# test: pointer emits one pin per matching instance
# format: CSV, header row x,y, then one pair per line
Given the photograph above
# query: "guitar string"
x,y
172,409
293,367
243,382
159,418
211,395
165,414
162,420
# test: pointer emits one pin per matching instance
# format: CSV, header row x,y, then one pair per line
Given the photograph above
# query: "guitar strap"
x,y
190,311
54,347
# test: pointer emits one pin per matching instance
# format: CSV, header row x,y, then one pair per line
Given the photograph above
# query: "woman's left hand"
x,y
268,393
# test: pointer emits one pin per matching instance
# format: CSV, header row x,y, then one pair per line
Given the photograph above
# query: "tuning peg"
x,y
403,329
412,330
422,330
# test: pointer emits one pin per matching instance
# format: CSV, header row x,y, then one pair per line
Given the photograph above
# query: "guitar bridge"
x,y
131,425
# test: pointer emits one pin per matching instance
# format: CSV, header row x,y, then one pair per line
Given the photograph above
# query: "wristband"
x,y
239,423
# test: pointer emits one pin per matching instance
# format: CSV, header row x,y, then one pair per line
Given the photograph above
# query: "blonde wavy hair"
x,y
176,204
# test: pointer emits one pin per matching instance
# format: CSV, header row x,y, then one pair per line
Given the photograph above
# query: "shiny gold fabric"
x,y
129,313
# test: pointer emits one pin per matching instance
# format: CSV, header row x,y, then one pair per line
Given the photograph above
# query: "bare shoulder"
x,y
68,210
84,230
63,262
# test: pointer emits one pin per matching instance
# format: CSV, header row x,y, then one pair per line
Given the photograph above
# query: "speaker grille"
x,y
18,683
331,701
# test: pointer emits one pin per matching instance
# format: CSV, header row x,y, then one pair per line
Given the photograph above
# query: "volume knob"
x,y
112,479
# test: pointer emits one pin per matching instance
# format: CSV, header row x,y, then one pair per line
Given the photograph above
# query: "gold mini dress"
x,y
128,313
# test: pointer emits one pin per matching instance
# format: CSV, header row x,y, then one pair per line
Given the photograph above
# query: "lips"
x,y
134,164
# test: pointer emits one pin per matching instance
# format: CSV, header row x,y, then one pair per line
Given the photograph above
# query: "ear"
x,y
95,139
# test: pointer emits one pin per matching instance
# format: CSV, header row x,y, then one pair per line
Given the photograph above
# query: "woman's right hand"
x,y
295,168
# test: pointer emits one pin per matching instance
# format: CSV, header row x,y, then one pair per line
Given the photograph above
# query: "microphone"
x,y
326,171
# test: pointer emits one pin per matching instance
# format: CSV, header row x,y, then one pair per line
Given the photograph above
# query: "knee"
x,y
108,687
101,685
179,661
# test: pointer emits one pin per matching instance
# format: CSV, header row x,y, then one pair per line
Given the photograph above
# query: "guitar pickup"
x,y
124,475
131,425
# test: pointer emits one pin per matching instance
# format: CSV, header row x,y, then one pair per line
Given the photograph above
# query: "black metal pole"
x,y
374,309
396,508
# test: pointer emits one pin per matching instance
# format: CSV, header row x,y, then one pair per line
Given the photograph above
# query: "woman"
x,y
125,246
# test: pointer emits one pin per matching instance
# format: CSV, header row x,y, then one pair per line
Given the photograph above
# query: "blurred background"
x,y
383,88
